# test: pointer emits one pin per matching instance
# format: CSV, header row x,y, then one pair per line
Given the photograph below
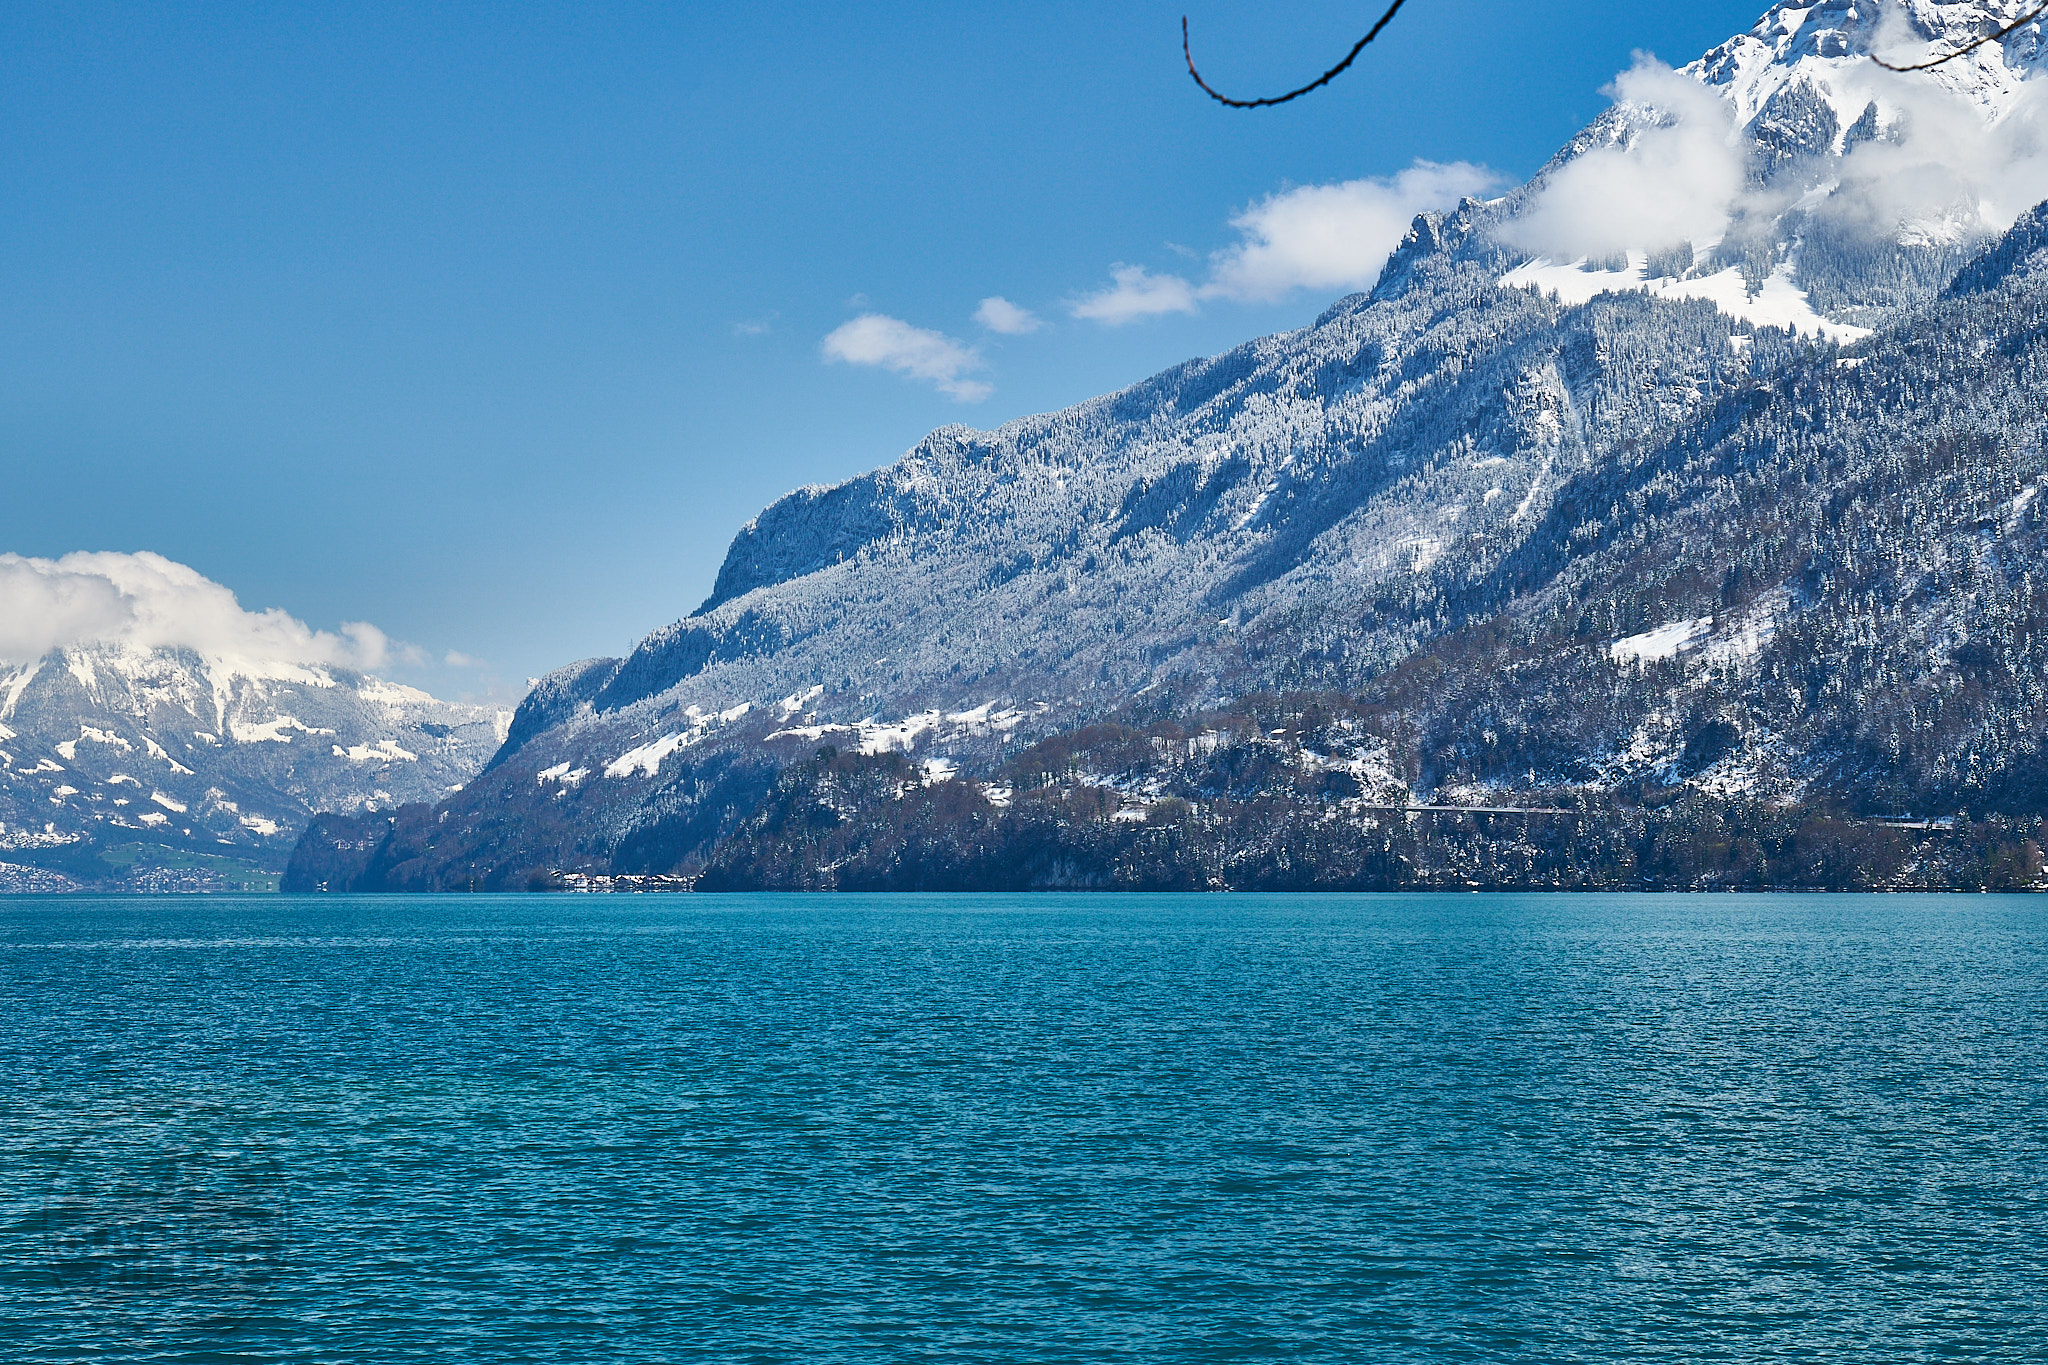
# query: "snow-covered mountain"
x,y
122,761
1818,49
1402,439
1316,509
1790,179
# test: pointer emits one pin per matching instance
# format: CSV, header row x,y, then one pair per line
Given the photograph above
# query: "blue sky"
x,y
490,324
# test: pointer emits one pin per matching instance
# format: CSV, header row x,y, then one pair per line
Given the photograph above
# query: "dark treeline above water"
x,y
1235,805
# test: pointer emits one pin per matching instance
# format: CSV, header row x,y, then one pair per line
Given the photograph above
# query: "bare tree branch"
x,y
1317,83
1213,93
1969,47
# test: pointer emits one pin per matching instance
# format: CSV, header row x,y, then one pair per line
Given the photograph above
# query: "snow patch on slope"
x,y
271,731
383,751
877,736
1660,643
1780,303
646,758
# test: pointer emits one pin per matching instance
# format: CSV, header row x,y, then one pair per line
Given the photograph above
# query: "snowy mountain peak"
x,y
1825,46
1772,175
112,753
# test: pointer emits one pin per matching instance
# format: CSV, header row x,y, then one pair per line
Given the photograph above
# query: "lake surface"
x,y
1061,1128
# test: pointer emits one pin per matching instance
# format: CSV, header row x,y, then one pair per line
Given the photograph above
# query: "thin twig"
x,y
1969,47
1317,83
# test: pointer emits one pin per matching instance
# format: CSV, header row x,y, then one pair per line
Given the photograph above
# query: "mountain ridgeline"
x,y
1721,566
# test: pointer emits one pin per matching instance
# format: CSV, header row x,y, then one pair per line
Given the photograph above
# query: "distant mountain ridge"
x,y
1460,476
204,770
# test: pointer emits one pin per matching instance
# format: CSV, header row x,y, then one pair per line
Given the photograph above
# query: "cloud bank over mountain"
x,y
1900,157
1327,237
1333,236
1941,161
1677,181
146,601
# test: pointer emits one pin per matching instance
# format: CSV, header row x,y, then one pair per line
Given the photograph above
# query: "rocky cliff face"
x,y
1747,512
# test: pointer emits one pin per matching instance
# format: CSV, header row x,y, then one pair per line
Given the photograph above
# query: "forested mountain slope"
x,y
1823,593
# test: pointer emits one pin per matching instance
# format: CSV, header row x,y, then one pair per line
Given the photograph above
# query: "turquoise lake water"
x,y
1000,1129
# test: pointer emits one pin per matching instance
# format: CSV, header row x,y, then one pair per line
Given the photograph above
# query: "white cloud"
x,y
1674,182
1895,41
1941,169
893,344
1325,237
1940,162
149,602
998,314
1136,294
1333,236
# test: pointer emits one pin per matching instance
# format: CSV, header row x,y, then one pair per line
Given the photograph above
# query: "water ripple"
x,y
1056,1129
